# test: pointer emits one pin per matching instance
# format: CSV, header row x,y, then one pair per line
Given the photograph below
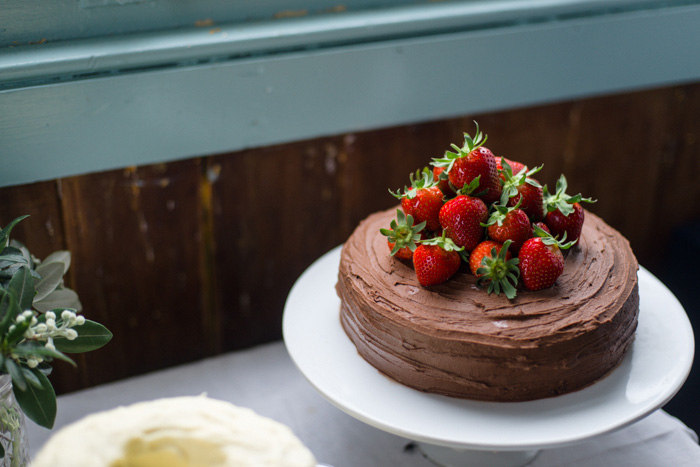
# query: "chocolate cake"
x,y
455,339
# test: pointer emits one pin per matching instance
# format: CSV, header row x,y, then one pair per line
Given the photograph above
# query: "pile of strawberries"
x,y
488,212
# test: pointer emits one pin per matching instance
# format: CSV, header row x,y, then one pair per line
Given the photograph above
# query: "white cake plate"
x,y
456,432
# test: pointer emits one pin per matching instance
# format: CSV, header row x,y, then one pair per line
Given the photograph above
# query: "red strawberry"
x,y
436,260
509,224
401,253
492,264
531,199
566,226
471,161
403,235
519,187
541,260
564,213
461,218
443,181
423,199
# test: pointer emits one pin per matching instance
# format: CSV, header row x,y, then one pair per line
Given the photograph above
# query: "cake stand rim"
x,y
297,337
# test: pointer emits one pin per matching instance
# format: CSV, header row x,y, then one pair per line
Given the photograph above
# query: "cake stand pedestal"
x,y
453,457
457,432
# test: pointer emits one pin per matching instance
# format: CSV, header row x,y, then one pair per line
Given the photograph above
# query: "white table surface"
x,y
265,379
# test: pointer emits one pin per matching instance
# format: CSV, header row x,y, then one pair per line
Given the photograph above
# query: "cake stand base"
x,y
451,457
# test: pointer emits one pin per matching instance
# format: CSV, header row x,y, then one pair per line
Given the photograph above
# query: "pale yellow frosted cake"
x,y
175,432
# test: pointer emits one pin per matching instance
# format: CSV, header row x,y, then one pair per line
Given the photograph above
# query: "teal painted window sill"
x,y
132,84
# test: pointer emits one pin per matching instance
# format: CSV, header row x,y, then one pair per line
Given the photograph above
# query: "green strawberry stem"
x,y
472,143
468,189
548,239
423,178
562,201
512,181
402,232
499,213
500,274
469,145
442,241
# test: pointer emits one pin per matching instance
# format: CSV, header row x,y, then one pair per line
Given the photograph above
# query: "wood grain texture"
x,y
192,258
136,239
275,210
43,229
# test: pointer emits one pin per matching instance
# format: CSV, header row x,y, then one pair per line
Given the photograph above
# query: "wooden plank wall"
x,y
192,258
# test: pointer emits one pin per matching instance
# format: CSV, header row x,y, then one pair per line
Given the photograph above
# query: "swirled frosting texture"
x,y
457,340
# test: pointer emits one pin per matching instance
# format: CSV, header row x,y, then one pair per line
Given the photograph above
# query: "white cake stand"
x,y
456,432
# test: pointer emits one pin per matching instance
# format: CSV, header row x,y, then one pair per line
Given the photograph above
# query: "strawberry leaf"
x,y
423,178
402,232
512,182
444,242
470,144
560,200
499,274
468,189
548,239
499,213
448,160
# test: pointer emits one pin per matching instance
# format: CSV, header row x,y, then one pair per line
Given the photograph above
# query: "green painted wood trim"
x,y
59,61
86,125
32,21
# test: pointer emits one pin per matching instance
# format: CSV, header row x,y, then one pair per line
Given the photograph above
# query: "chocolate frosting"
x,y
457,340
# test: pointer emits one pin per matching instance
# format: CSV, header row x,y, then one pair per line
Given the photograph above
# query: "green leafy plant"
x,y
39,322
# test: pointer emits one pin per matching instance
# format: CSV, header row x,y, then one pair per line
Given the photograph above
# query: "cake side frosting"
x,y
456,339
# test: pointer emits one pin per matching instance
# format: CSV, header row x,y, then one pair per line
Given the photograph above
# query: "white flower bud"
x,y
49,345
19,319
80,320
41,327
28,313
32,362
67,315
50,315
71,334
51,324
